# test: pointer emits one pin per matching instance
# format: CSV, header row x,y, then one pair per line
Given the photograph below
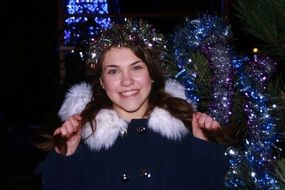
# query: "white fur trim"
x,y
175,89
80,94
162,122
108,127
75,100
108,123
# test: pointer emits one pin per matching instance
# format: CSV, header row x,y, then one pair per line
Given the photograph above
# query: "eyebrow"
x,y
115,66
136,62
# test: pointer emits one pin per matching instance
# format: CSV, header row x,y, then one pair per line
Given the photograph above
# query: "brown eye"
x,y
137,67
112,71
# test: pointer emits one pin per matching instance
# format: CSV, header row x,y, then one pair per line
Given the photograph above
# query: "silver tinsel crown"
x,y
130,33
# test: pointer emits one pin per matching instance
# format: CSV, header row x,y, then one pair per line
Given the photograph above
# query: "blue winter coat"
x,y
158,153
142,159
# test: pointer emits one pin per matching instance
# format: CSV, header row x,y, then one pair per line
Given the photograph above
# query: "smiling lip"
x,y
129,93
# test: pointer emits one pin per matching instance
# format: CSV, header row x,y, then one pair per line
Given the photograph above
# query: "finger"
x,y
57,131
63,129
77,117
69,130
202,120
194,121
196,129
198,114
215,125
75,125
72,128
194,116
60,131
74,122
208,122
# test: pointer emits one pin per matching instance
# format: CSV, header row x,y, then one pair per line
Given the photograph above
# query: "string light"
x,y
255,50
208,34
258,154
81,28
254,159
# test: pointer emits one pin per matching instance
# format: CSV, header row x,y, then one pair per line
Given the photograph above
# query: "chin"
x,y
131,110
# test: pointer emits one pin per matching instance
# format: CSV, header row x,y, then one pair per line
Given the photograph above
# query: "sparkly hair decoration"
x,y
129,33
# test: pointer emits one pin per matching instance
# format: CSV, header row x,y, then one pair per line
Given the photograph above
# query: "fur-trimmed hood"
x,y
109,125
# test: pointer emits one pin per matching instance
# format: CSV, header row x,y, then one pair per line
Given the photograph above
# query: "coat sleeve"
x,y
210,164
60,172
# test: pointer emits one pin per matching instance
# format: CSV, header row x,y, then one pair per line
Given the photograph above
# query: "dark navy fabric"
x,y
143,160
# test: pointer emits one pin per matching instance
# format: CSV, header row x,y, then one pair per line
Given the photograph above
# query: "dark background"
x,y
30,89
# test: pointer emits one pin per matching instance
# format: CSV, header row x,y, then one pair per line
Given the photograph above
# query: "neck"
x,y
129,115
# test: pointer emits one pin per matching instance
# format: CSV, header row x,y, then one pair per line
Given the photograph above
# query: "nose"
x,y
127,79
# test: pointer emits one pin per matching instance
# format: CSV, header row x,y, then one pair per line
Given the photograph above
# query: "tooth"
x,y
129,93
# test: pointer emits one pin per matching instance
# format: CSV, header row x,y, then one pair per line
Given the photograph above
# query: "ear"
x,y
101,82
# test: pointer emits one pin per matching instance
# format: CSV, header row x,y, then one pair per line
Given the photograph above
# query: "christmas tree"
x,y
239,91
265,21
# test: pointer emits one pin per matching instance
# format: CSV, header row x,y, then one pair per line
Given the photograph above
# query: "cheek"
x,y
146,81
110,85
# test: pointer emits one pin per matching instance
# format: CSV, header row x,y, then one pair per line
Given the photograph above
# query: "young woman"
x,y
127,130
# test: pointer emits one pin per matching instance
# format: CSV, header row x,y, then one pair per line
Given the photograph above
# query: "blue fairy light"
x,y
207,34
252,161
259,145
79,28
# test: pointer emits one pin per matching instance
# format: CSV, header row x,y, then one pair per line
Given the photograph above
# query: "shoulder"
x,y
75,100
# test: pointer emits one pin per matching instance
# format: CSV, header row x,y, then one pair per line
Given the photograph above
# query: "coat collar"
x,y
109,125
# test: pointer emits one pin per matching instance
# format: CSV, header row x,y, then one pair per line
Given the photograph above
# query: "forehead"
x,y
117,55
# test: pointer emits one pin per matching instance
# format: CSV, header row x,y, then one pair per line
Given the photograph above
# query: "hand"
x,y
203,124
71,130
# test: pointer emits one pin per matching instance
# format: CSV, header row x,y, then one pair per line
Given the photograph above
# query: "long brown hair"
x,y
177,107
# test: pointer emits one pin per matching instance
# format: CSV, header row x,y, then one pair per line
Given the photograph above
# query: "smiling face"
x,y
127,82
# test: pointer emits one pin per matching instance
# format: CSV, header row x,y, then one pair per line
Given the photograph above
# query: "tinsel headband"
x,y
129,33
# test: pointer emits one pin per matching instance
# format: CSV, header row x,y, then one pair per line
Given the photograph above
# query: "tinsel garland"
x,y
252,163
208,35
259,146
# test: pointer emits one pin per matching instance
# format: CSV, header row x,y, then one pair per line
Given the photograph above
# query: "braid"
x,y
177,107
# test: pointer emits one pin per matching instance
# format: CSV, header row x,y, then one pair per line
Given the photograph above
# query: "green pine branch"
x,y
280,170
276,88
265,20
203,81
